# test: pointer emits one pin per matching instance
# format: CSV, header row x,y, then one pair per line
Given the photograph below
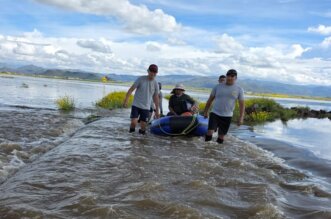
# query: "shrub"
x,y
262,110
167,97
287,114
263,104
114,100
261,117
65,103
202,107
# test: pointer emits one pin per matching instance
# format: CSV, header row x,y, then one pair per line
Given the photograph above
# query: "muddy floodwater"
x,y
58,165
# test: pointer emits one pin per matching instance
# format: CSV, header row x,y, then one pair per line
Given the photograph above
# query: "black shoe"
x,y
220,141
132,130
208,137
143,132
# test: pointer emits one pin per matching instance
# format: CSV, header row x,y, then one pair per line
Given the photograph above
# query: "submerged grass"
x,y
65,103
114,100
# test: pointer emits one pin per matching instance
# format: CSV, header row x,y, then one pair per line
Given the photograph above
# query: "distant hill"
x,y
30,69
167,79
39,71
260,86
249,85
72,74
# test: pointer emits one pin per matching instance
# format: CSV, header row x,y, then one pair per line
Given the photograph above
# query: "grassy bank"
x,y
114,100
259,110
6,74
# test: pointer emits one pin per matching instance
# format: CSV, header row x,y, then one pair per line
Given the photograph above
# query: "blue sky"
x,y
282,40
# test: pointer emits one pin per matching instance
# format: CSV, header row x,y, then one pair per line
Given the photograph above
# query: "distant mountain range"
x,y
250,85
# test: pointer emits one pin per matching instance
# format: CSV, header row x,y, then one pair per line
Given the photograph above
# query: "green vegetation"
x,y
202,107
114,100
259,110
65,103
167,96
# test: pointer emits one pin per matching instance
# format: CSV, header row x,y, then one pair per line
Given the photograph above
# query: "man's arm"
x,y
241,112
160,102
194,106
131,89
156,102
208,104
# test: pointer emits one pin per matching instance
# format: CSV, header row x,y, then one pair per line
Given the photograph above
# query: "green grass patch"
x,y
65,103
260,110
114,100
202,107
167,96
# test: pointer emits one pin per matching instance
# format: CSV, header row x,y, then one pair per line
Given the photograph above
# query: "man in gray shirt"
x,y
225,96
147,89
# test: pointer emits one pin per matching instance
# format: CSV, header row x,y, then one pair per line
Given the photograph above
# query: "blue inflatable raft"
x,y
180,125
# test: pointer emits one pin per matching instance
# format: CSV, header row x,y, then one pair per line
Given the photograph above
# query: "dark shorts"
x,y
137,112
220,122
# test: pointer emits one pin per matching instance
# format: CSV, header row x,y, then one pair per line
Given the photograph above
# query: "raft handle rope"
x,y
187,130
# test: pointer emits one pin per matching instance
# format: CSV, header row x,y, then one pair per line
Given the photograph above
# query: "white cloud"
x,y
153,47
297,51
279,63
321,29
176,41
326,43
138,19
25,49
102,45
227,44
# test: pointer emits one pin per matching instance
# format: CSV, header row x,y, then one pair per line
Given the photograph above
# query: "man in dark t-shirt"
x,y
180,102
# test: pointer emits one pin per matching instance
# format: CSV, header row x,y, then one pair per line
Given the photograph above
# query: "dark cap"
x,y
222,76
153,68
231,72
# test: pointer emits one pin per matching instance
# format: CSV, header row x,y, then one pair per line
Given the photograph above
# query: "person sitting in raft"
x,y
181,103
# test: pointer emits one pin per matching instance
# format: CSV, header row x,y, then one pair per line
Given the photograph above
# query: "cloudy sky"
x,y
280,40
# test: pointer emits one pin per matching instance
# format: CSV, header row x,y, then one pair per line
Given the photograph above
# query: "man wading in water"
x,y
225,96
147,89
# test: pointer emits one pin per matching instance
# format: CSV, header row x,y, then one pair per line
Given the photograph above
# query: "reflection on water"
x,y
43,92
313,134
312,104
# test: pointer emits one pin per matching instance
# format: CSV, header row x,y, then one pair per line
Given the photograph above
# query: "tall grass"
x,y
261,110
202,107
167,96
65,103
114,100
